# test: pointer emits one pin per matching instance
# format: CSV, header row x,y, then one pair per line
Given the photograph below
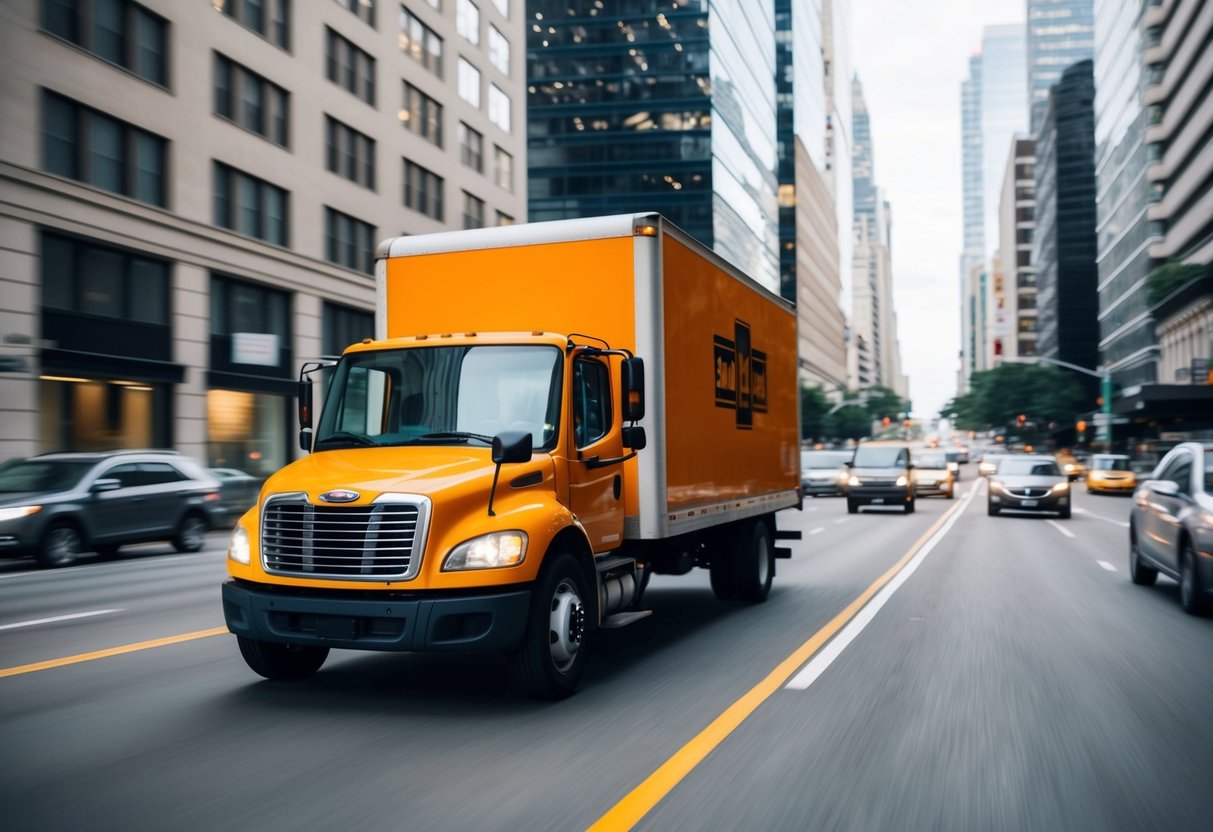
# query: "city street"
x,y
1015,680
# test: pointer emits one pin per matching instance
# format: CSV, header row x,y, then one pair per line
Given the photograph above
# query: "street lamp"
x,y
1105,387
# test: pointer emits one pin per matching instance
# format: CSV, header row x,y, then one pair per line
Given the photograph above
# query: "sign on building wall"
x,y
260,348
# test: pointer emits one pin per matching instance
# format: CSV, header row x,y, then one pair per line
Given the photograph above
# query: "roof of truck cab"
x,y
464,339
525,234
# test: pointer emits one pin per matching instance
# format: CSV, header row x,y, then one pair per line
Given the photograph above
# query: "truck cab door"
x,y
595,490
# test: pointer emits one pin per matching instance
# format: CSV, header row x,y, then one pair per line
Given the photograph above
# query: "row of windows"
x,y
250,101
119,31
349,154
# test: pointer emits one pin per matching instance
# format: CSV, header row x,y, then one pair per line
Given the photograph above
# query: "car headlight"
x,y
1062,486
1069,467
853,480
237,546
17,512
490,551
995,485
902,480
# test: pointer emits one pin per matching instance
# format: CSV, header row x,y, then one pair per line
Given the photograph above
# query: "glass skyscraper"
x,y
640,105
1060,33
1004,113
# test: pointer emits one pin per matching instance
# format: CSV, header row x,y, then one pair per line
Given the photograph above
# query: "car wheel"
x,y
910,506
755,563
1139,573
286,662
191,534
550,661
1065,513
991,509
1191,591
61,545
852,507
109,550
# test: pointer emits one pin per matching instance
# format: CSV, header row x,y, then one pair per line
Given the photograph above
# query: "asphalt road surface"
x,y
1008,677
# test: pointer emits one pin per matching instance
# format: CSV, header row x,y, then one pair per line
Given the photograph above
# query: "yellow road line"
x,y
640,801
110,651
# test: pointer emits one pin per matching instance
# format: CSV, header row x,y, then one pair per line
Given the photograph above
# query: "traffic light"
x,y
885,421
1020,419
1082,426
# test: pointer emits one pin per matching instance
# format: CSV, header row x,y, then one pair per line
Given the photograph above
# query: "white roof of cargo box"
x,y
507,236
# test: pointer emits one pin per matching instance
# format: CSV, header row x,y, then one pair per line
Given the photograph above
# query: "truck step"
x,y
609,564
623,619
788,534
783,552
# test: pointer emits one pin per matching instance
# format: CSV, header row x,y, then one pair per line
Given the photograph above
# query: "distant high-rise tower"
x,y
660,106
1060,33
973,255
1004,113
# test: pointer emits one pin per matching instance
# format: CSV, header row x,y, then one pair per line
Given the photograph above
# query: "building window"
x,y
504,219
119,31
503,6
421,114
420,42
86,145
473,211
349,153
93,279
349,67
467,21
344,325
249,205
269,18
364,10
348,241
422,190
471,148
250,101
499,51
469,83
503,169
499,107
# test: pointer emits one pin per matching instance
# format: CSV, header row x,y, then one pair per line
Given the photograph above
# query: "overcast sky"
x,y
911,56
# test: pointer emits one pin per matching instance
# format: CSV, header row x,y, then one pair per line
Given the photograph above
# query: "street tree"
x,y
1041,393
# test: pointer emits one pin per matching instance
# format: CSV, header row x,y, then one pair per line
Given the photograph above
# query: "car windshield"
x,y
1110,463
880,456
1028,468
40,475
931,461
823,459
441,396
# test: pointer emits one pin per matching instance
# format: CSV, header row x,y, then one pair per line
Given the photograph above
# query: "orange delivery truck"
x,y
549,414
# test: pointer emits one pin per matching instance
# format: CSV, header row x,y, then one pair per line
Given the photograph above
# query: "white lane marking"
x,y
812,508
841,520
1106,565
1060,528
1122,523
37,621
818,530
819,663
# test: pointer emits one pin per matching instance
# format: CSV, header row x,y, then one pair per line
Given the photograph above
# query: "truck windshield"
x,y
442,396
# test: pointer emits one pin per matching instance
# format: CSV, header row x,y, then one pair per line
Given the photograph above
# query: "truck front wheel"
x,y
281,661
551,659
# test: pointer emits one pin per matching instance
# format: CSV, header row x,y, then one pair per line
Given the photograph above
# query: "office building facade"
x,y
1060,33
1015,282
972,256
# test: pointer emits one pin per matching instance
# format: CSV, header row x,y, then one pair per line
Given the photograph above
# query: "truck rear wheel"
x,y
755,562
281,661
551,659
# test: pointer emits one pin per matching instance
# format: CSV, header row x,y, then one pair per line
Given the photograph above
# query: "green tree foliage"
x,y
1172,275
1040,392
851,422
883,402
814,410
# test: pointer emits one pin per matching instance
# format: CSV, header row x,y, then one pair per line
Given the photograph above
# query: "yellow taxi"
x,y
1073,467
1110,474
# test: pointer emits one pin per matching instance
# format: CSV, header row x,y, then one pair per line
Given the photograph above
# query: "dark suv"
x,y
57,506
881,475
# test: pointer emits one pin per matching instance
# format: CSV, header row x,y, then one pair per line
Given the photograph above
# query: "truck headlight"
x,y
237,546
853,481
17,512
902,481
490,551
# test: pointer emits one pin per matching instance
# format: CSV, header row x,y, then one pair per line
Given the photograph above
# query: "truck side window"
x,y
365,403
591,402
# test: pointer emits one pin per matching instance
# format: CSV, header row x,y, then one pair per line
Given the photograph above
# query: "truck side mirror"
x,y
305,414
631,382
512,446
634,438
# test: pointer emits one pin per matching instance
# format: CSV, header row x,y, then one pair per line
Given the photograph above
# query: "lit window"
x,y
469,83
499,107
467,21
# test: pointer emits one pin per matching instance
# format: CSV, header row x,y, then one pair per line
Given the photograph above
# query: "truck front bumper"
x,y
416,622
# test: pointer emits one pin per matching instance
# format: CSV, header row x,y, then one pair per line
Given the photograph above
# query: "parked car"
x,y
1171,525
823,473
58,506
881,475
238,491
1028,483
1110,474
932,476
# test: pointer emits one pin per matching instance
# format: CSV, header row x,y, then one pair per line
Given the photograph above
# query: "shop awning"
x,y
76,363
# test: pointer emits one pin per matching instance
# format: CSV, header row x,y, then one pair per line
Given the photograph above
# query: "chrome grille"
x,y
1029,493
382,541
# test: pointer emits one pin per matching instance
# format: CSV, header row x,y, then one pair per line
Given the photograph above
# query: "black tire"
x,y
1065,513
282,662
61,545
852,506
1192,595
755,562
1139,573
991,509
910,506
108,550
191,534
551,659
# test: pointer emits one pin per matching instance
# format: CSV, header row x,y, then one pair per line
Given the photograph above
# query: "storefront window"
x,y
246,431
82,414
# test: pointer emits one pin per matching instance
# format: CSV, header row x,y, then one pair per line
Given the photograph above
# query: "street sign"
x,y
1102,419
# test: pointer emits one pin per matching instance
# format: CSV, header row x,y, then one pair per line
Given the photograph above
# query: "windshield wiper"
x,y
454,434
345,436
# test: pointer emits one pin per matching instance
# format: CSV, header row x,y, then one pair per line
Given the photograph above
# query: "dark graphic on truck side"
x,y
741,375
